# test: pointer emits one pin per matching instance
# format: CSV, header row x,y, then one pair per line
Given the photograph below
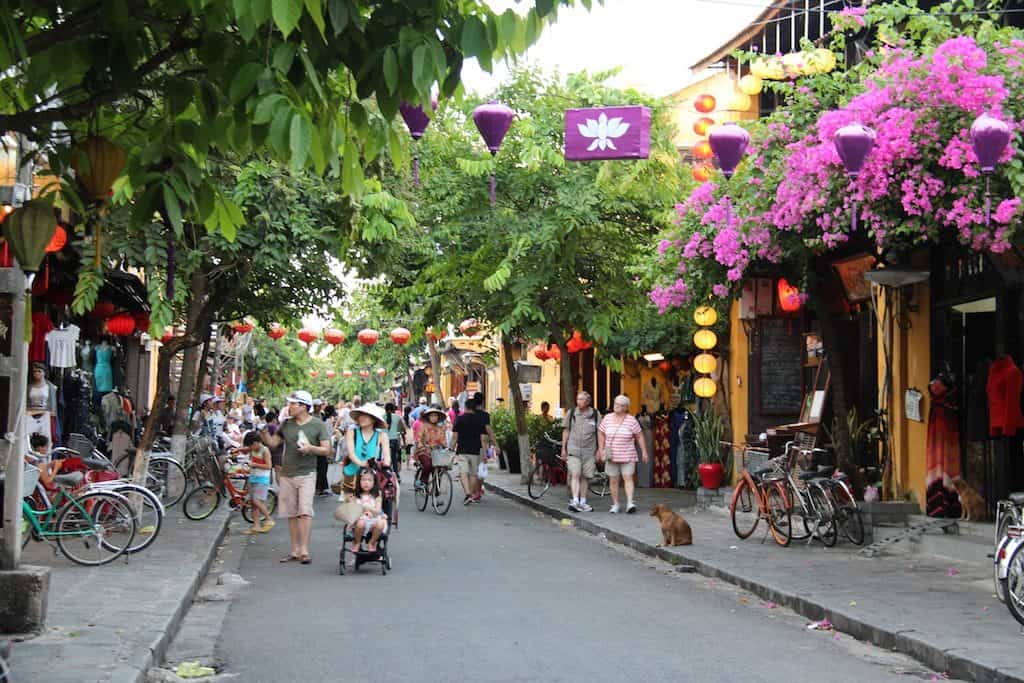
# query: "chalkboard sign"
x,y
781,376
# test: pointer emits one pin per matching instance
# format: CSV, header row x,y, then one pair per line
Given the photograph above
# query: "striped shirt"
x,y
619,436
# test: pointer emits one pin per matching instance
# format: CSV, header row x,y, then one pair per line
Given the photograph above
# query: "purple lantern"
x,y
416,120
493,121
729,144
989,137
853,143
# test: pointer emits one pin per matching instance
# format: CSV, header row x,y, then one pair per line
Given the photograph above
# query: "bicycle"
x,y
816,512
205,498
848,517
90,529
438,490
548,467
1009,521
761,495
165,476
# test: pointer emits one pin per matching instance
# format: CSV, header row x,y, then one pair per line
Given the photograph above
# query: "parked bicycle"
x,y
550,469
234,483
761,495
165,476
809,495
1008,559
847,512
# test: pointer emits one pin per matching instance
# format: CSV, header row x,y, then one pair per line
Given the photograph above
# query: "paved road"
x,y
497,593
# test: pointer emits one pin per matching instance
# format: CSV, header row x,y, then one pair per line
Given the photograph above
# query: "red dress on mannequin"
x,y
1005,381
943,452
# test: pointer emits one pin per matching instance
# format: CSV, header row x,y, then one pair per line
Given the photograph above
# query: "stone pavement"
x,y
112,623
941,613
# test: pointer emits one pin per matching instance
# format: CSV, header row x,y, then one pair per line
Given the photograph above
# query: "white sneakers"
x,y
583,507
614,509
579,506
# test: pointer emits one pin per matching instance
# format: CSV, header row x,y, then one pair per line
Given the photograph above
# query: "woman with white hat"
x,y
368,441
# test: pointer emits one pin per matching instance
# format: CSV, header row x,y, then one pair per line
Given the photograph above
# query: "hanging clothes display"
x,y
645,470
62,343
662,462
688,458
675,421
41,326
103,373
942,450
1004,386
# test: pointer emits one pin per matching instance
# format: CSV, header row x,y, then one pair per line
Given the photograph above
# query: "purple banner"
x,y
607,133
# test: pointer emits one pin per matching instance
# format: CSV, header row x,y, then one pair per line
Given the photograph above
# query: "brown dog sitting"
x,y
972,505
674,529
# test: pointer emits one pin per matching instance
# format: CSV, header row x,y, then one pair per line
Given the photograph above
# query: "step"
x,y
966,549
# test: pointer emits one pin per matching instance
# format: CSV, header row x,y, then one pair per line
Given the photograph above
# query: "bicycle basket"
x,y
81,445
208,467
755,459
29,480
440,457
546,451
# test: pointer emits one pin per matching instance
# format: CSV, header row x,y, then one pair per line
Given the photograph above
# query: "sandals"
x,y
289,558
306,559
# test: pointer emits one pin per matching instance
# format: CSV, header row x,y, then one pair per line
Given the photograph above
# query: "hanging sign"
x,y
607,133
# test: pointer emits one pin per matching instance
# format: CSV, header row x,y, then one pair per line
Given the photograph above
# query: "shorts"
x,y
468,463
582,464
370,524
620,469
258,490
295,496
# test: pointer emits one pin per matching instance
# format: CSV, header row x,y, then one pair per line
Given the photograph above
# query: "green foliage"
x,y
708,432
503,422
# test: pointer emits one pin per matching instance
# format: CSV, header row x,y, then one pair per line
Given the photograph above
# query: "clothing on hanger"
x,y
103,371
62,343
1005,382
41,326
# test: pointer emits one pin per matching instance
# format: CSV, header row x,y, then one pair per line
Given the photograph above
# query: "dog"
x,y
972,505
674,529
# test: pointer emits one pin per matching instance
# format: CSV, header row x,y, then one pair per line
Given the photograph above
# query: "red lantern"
x,y
141,321
554,353
577,343
346,373
364,373
435,336
789,296
334,337
469,327
540,352
381,372
121,325
307,336
168,336
400,336
331,374
665,366
242,327
276,331
703,125
314,373
368,336
705,104
702,150
102,310
701,174
57,242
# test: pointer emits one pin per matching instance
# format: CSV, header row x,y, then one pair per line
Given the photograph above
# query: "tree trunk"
x,y
518,410
435,368
567,387
204,368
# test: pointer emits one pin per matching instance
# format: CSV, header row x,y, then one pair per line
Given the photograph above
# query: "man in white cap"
x,y
306,439
418,410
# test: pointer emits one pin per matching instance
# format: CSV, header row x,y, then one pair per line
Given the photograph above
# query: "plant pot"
x,y
710,475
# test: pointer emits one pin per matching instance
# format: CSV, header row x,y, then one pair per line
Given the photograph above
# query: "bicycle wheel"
x,y
780,522
95,529
149,516
201,502
800,516
441,491
599,485
169,477
270,502
421,491
539,483
1004,521
124,464
848,516
826,522
1013,585
744,509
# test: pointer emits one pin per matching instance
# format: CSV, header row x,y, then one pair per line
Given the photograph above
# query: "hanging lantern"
x,y
346,373
493,121
60,238
307,336
853,144
703,125
435,336
705,339
705,316
103,163
729,143
701,174
705,104
739,102
121,325
705,387
168,336
989,137
368,336
665,366
142,321
400,336
381,372
702,150
242,327
554,353
469,327
416,120
364,373
276,331
540,352
331,374
334,336
705,363
101,310
789,296
820,61
28,230
314,373
751,84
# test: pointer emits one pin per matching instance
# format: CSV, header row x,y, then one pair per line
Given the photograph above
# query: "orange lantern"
x,y
789,296
57,242
701,174
121,325
381,372
469,327
331,374
334,337
400,336
540,352
242,327
141,321
665,366
705,387
705,339
705,316
364,373
703,125
307,335
314,373
705,363
276,331
554,353
705,104
702,150
346,373
368,336
168,336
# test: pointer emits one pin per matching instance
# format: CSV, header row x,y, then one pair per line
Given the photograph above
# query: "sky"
x,y
654,41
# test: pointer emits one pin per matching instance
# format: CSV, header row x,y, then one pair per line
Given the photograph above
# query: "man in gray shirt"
x,y
579,449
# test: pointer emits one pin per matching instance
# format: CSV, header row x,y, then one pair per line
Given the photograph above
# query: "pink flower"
x,y
720,290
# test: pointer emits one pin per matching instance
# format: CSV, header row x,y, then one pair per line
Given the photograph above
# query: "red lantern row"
x,y
367,336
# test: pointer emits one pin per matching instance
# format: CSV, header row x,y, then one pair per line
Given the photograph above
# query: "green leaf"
x,y
351,170
244,81
279,131
311,74
544,7
266,108
391,69
179,95
299,139
474,37
316,13
286,14
172,207
422,68
338,10
284,54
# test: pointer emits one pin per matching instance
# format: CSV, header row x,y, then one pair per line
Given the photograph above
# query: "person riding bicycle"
x,y
431,435
579,449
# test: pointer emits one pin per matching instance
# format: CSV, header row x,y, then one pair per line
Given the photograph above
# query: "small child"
x,y
39,456
373,522
259,482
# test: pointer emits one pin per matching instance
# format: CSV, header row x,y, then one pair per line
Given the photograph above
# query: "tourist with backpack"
x,y
579,449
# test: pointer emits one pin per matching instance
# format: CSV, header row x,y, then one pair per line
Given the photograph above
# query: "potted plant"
x,y
708,431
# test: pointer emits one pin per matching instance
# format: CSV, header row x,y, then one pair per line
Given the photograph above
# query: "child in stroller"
x,y
368,534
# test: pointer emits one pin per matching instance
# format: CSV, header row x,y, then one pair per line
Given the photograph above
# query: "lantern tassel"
x,y
493,194
853,227
416,170
988,200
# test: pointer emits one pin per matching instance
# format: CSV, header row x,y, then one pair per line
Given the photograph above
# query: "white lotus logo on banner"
x,y
603,130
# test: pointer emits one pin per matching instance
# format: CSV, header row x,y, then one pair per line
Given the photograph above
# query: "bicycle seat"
x,y
1017,498
826,471
808,476
69,479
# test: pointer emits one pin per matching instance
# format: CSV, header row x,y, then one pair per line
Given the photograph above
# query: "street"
x,y
498,593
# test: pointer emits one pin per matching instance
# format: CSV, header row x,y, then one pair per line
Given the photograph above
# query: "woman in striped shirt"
x,y
618,438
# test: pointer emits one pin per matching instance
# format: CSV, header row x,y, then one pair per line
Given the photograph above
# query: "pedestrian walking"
x,y
396,431
320,412
305,438
618,437
579,449
469,438
410,436
259,482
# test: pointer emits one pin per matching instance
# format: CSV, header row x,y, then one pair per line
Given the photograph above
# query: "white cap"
x,y
301,396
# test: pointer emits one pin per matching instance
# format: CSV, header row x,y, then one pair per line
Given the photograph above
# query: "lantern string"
x,y
853,227
988,200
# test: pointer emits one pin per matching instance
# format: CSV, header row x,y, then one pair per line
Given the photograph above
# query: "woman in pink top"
x,y
618,437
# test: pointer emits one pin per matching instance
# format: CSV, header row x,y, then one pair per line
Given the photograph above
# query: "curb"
x,y
158,648
949,661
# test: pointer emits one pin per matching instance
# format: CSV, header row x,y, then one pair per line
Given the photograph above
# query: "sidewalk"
x,y
112,623
937,611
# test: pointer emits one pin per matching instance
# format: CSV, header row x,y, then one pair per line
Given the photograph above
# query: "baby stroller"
x,y
353,545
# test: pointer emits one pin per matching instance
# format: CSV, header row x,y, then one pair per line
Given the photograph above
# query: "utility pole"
x,y
14,289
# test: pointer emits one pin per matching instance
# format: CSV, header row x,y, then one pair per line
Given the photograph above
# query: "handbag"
x,y
608,442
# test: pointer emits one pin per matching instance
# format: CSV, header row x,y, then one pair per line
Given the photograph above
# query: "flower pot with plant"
x,y
709,429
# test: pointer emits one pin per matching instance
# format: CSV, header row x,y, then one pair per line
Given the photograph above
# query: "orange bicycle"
x,y
761,494
204,499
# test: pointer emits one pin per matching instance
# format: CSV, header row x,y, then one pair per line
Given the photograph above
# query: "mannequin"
x,y
104,372
1004,386
85,356
943,448
644,470
41,403
652,392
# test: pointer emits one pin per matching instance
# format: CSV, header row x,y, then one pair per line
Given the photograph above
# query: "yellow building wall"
x,y
722,87
735,378
547,390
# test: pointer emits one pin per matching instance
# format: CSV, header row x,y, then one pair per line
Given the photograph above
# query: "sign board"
x,y
527,391
607,133
528,373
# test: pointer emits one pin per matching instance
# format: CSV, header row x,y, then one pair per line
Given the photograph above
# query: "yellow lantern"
x,y
821,61
739,102
705,316
705,363
705,387
759,68
751,84
705,340
770,69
